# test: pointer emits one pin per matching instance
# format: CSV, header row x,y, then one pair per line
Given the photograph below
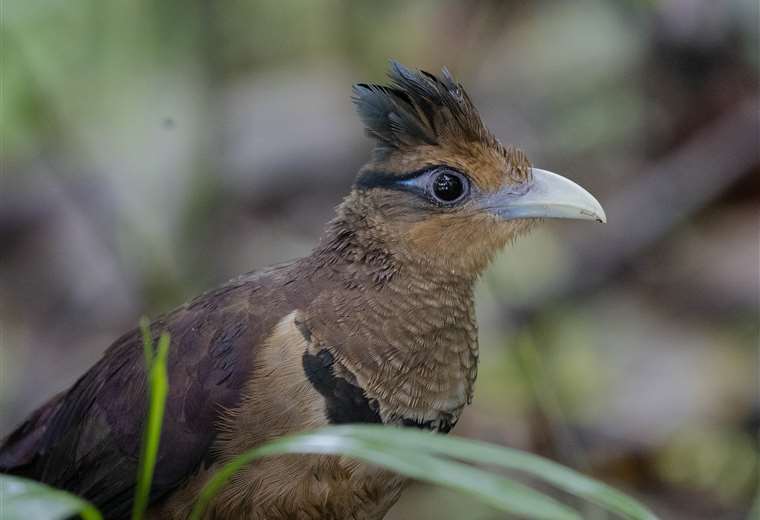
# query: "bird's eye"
x,y
449,186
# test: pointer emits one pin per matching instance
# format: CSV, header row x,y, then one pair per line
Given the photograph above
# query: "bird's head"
x,y
440,188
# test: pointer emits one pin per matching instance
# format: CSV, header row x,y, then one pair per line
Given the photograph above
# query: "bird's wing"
x,y
87,439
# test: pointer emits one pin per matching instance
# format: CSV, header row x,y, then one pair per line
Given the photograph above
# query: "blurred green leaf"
x,y
430,458
22,499
508,458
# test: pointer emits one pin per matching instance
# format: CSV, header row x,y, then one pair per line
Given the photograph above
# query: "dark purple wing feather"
x,y
87,439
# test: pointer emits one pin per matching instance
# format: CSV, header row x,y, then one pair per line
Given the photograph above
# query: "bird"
x,y
376,325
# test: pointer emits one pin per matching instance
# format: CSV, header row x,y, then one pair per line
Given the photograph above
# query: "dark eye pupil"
x,y
448,187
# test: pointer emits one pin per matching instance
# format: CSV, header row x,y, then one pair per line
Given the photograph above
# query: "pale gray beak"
x,y
548,196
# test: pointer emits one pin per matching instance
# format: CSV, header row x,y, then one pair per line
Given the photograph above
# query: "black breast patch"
x,y
346,402
443,424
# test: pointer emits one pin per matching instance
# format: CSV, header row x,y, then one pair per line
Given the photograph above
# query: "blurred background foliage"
x,y
152,149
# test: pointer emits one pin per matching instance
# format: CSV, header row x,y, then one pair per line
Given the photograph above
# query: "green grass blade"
x,y
22,499
496,490
158,387
500,456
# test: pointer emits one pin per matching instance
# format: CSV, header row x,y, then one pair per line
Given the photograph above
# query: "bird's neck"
x,y
405,330
357,236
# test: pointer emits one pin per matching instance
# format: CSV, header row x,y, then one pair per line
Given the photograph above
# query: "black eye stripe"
x,y
379,179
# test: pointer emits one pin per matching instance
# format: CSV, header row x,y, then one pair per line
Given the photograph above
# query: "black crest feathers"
x,y
418,108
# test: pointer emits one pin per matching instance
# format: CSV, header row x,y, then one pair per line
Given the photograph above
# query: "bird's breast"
x,y
411,350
